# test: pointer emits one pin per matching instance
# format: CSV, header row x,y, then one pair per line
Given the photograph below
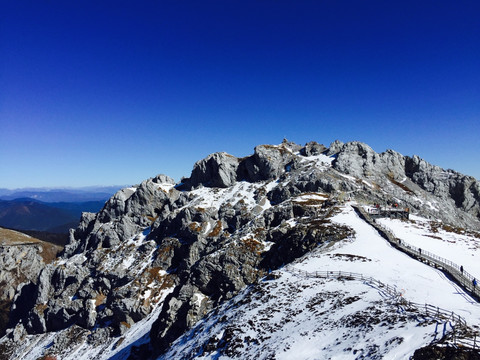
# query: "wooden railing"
x,y
462,277
458,334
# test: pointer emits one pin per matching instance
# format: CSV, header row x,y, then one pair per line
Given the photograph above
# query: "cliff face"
x,y
21,260
433,191
180,250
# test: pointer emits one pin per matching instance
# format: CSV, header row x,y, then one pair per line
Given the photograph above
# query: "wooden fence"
x,y
459,333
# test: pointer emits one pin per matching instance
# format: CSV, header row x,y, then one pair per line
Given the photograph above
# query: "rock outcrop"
x,y
105,274
22,259
183,249
435,192
216,170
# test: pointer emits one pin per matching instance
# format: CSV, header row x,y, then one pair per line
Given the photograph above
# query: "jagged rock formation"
x,y
429,189
107,273
186,248
21,260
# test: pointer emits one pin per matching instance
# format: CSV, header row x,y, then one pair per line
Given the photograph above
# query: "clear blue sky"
x,y
114,92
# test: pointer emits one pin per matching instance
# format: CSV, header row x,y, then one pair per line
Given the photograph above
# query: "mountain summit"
x,y
269,256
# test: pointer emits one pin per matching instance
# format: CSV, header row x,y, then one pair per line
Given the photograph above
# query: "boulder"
x,y
268,162
216,170
334,148
312,148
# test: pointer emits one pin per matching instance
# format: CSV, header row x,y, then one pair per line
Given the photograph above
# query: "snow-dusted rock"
x,y
268,161
217,170
313,148
167,254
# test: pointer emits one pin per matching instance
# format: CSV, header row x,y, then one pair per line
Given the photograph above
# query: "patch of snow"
x,y
125,194
165,187
147,294
311,196
420,282
291,222
128,261
320,161
349,177
297,317
77,259
267,245
461,249
198,298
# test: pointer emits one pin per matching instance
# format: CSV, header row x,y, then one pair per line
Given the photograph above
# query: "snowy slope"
x,y
161,255
418,282
457,245
298,317
294,316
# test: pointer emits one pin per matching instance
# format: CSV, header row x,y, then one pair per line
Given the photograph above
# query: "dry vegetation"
x,y
399,184
11,237
155,273
195,227
124,323
435,226
165,251
41,307
217,229
253,245
14,238
152,219
100,298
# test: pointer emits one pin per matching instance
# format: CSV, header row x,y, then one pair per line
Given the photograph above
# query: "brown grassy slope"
x,y
15,238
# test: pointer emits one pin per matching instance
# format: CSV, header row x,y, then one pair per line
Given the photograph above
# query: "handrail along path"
x,y
461,334
463,278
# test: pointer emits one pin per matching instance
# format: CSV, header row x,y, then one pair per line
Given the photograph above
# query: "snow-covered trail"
x,y
462,249
370,254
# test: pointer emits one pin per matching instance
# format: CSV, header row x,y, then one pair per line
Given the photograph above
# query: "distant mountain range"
x,y
96,193
272,255
51,210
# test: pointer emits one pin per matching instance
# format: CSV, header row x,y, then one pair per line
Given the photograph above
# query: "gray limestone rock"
x,y
335,148
18,263
204,246
18,332
267,162
359,160
313,148
216,170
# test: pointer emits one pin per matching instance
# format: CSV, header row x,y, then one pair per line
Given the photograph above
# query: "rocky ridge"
x,y
21,259
183,249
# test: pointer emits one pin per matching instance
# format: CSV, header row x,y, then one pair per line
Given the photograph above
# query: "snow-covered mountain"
x,y
265,257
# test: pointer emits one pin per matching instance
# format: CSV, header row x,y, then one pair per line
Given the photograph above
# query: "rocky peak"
x,y
360,160
312,148
224,170
180,250
216,170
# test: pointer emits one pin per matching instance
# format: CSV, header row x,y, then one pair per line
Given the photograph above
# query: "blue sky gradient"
x,y
114,92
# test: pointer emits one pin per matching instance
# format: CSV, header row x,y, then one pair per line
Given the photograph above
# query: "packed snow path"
x,y
462,277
